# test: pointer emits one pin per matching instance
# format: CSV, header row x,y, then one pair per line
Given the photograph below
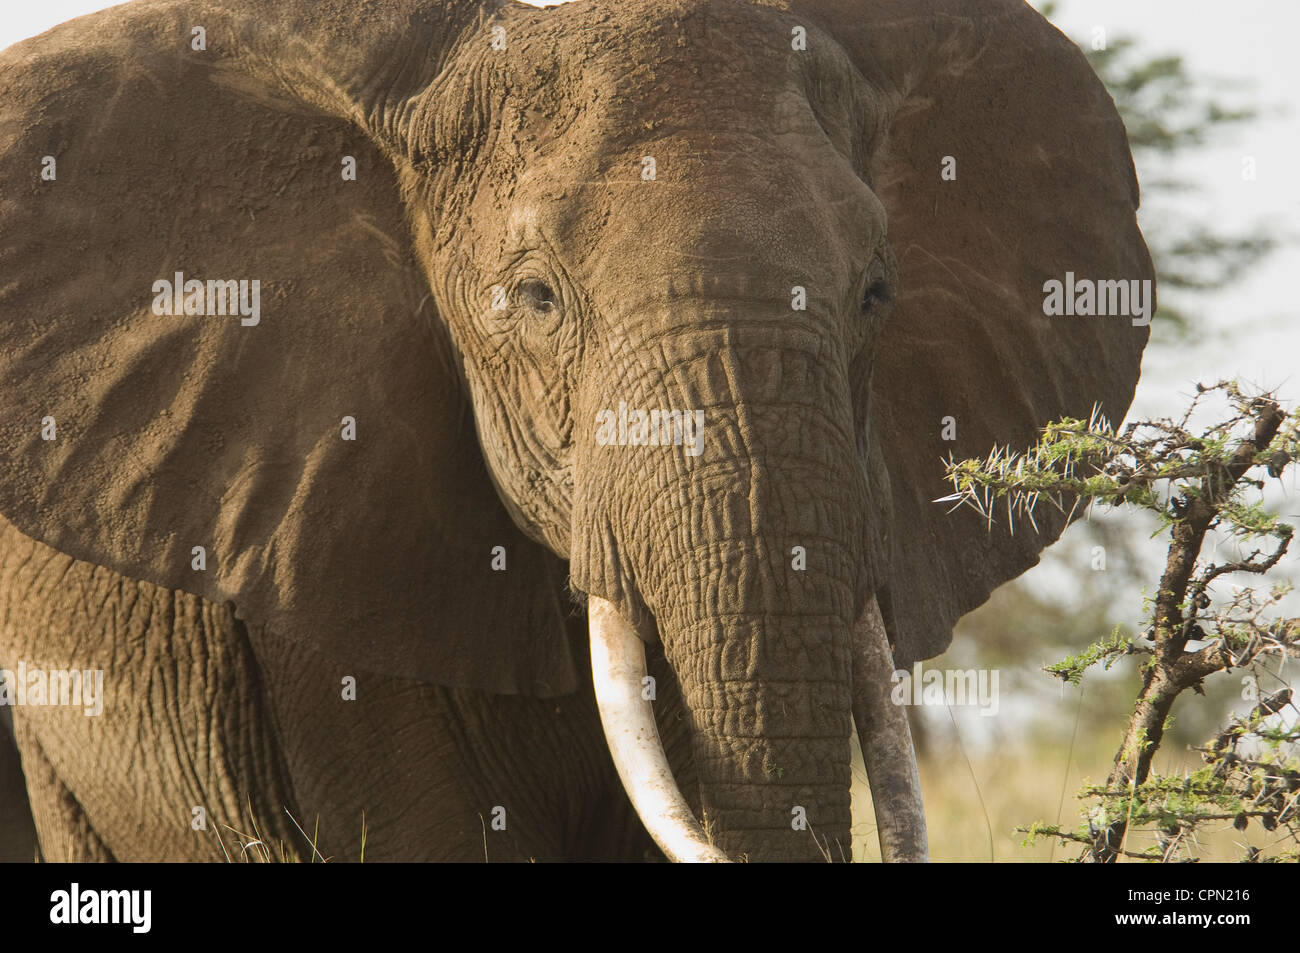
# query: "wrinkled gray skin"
x,y
523,169
251,727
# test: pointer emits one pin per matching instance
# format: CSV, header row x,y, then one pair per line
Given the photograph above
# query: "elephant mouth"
x,y
618,666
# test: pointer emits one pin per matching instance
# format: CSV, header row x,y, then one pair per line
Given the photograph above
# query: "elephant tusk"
x,y
886,742
617,669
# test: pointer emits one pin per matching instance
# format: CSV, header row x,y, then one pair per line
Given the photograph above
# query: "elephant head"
x,y
693,296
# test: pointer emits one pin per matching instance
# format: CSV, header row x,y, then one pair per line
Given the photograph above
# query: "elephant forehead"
x,y
640,111
739,207
706,33
636,66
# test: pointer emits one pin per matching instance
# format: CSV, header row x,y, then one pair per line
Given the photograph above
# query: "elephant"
x,y
457,430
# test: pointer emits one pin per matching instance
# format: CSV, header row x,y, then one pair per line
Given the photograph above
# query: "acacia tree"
x,y
1205,485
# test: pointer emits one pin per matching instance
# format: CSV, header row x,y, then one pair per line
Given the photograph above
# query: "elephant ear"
x,y
1044,185
312,461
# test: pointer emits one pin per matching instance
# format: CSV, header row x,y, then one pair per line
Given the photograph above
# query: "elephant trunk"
x,y
619,675
770,711
747,559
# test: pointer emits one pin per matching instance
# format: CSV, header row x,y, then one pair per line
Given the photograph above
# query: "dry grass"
x,y
1018,785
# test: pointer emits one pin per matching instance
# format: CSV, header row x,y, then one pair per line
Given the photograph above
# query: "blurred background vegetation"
x,y
984,776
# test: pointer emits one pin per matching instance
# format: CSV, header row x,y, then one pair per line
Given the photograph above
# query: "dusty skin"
x,y
641,188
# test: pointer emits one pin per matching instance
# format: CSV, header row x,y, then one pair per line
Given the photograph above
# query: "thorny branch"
x,y
1201,485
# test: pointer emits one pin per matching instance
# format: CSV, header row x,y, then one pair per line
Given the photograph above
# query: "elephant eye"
x,y
537,294
876,293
